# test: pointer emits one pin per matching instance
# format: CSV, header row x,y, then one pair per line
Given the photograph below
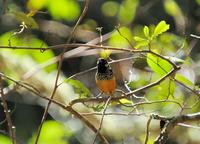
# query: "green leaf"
x,y
29,41
79,88
98,108
142,44
117,40
160,28
162,91
184,80
36,4
172,8
125,101
64,9
146,31
53,132
22,17
4,139
158,65
138,39
127,11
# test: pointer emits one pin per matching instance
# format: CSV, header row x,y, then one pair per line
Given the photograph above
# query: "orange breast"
x,y
107,86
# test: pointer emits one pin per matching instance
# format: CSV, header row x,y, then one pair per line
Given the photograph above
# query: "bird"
x,y
105,78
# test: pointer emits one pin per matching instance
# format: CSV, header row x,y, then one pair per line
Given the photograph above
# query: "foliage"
x,y
148,43
79,88
53,133
4,139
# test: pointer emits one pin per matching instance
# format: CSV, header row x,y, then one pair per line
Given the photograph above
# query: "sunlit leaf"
x,y
137,83
172,8
22,17
125,101
160,28
158,65
162,91
138,39
64,9
184,80
146,31
53,133
98,108
36,4
117,40
141,44
127,11
4,140
29,41
79,88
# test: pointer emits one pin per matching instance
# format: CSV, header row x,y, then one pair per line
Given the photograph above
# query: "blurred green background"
x,y
49,23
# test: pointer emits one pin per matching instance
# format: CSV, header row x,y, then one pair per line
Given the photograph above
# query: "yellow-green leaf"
x,y
125,101
36,4
146,31
5,140
79,88
29,41
184,80
142,44
64,9
160,28
53,132
158,65
172,8
117,40
138,39
127,11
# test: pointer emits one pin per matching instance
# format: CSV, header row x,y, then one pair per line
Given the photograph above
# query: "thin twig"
x,y
59,70
147,131
67,108
128,94
101,122
11,128
172,122
112,113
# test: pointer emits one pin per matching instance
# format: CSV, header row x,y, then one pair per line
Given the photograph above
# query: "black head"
x,y
102,65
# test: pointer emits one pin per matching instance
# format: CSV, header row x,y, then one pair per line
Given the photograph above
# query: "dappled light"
x,y
99,72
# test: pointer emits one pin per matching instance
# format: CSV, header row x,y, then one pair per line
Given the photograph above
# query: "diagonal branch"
x,y
172,122
128,94
67,108
11,128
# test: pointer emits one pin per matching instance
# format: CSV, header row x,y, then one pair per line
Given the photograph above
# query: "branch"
x,y
101,122
65,46
11,128
147,131
172,122
67,108
61,58
128,94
